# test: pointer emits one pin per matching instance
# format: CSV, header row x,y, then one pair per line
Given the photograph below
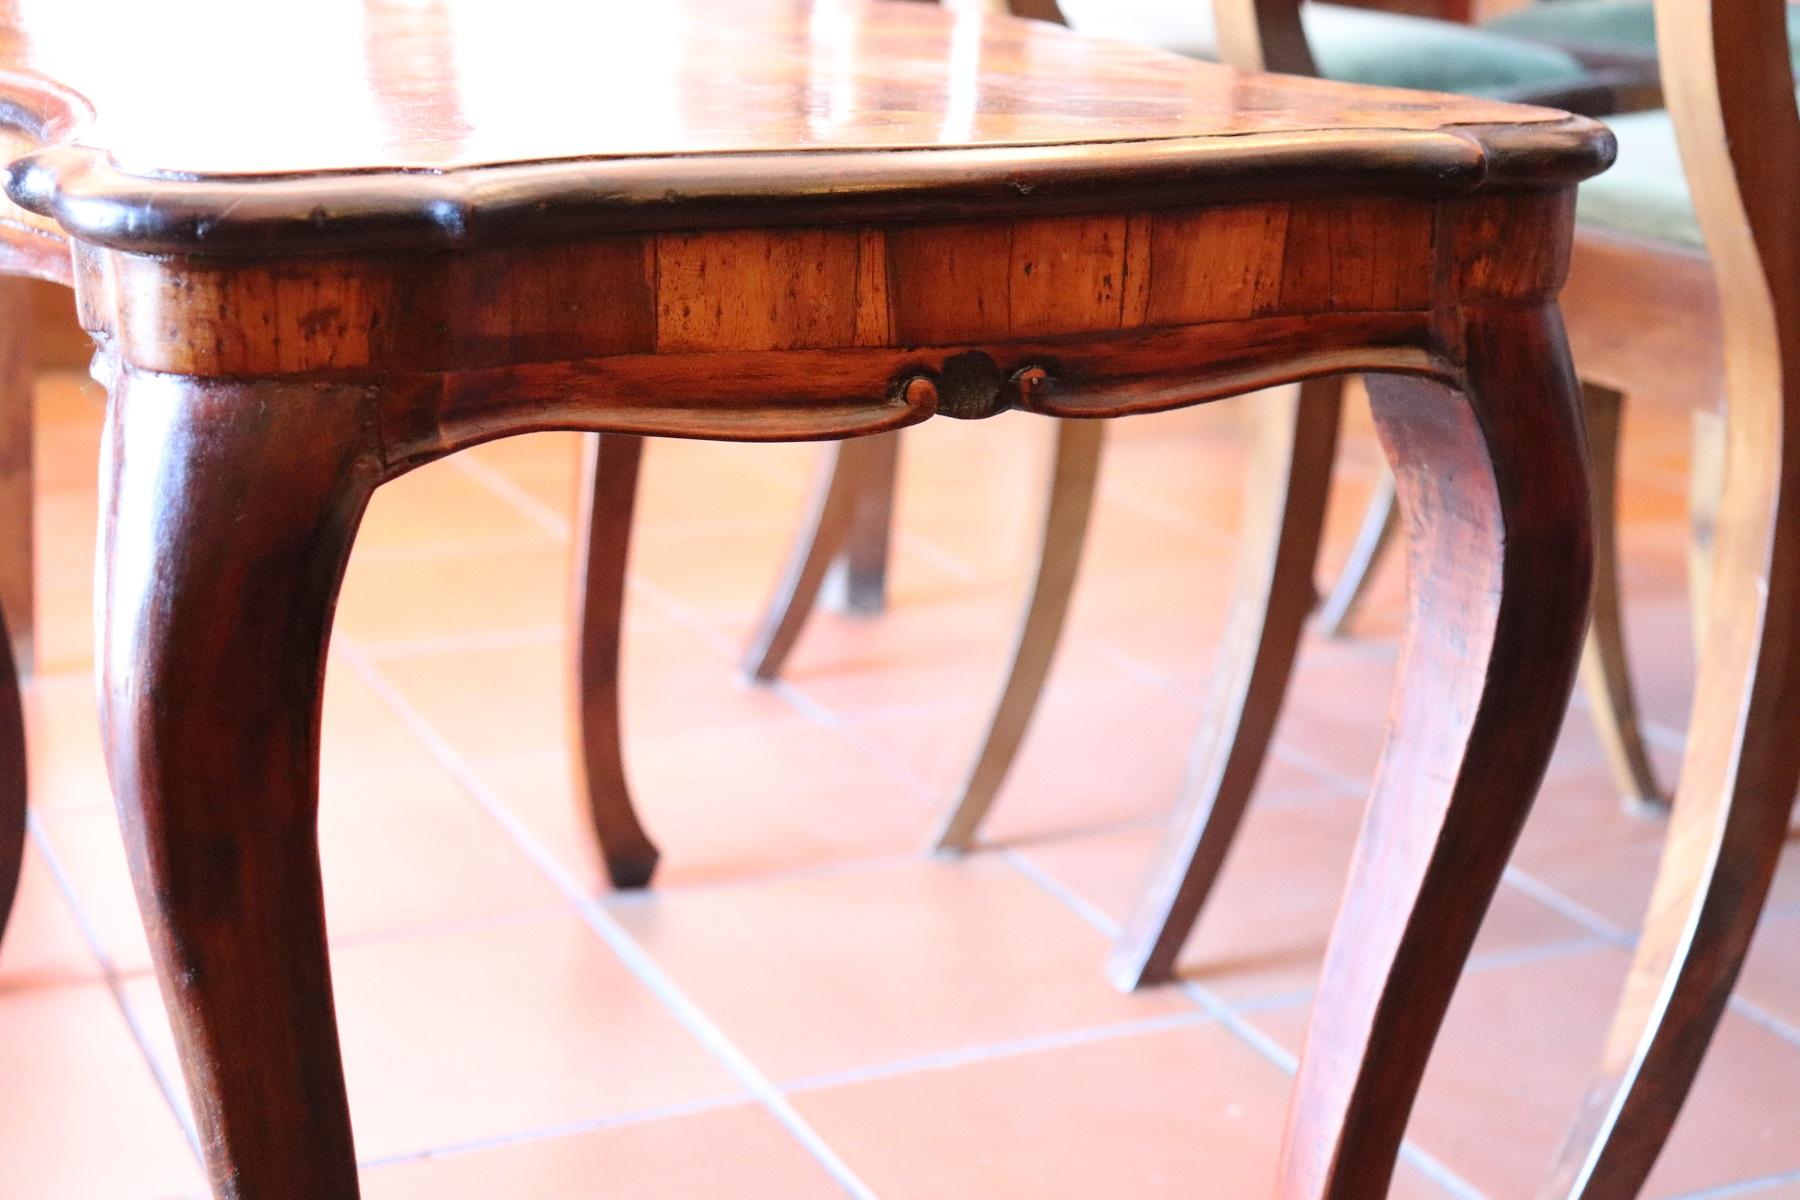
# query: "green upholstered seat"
x,y
1645,193
1352,44
1618,26
1615,25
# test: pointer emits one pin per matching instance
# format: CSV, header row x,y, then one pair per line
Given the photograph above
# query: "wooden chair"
x,y
17,321
1730,86
12,780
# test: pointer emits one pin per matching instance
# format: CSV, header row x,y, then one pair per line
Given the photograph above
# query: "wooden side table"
x,y
400,231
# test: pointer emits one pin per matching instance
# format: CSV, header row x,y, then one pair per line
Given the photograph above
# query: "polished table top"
x,y
224,87
149,102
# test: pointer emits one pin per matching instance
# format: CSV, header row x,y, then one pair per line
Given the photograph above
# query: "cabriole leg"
x,y
1494,494
229,509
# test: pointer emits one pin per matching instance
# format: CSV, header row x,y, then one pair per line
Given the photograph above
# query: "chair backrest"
x,y
1728,80
1257,35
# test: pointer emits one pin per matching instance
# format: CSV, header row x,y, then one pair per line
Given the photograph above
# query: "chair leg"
x,y
1706,481
1729,821
1068,503
1289,481
229,510
851,495
609,476
1381,520
1605,669
12,782
857,582
18,597
1495,501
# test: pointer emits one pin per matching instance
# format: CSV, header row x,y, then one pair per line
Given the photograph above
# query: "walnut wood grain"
x,y
1488,486
1606,667
238,498
439,143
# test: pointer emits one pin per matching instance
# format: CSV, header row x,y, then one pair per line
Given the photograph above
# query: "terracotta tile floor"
x,y
809,1005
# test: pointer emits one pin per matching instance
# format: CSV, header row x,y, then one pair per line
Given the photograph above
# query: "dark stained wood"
x,y
609,474
12,782
717,259
1730,91
241,499
18,596
1498,599
1606,670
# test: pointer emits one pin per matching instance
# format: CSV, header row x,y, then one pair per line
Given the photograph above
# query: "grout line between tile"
x,y
635,958
379,555
570,1129
1569,909
1742,1187
533,509
1258,1041
502,639
947,1059
1477,965
928,551
1605,932
115,986
1754,1012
